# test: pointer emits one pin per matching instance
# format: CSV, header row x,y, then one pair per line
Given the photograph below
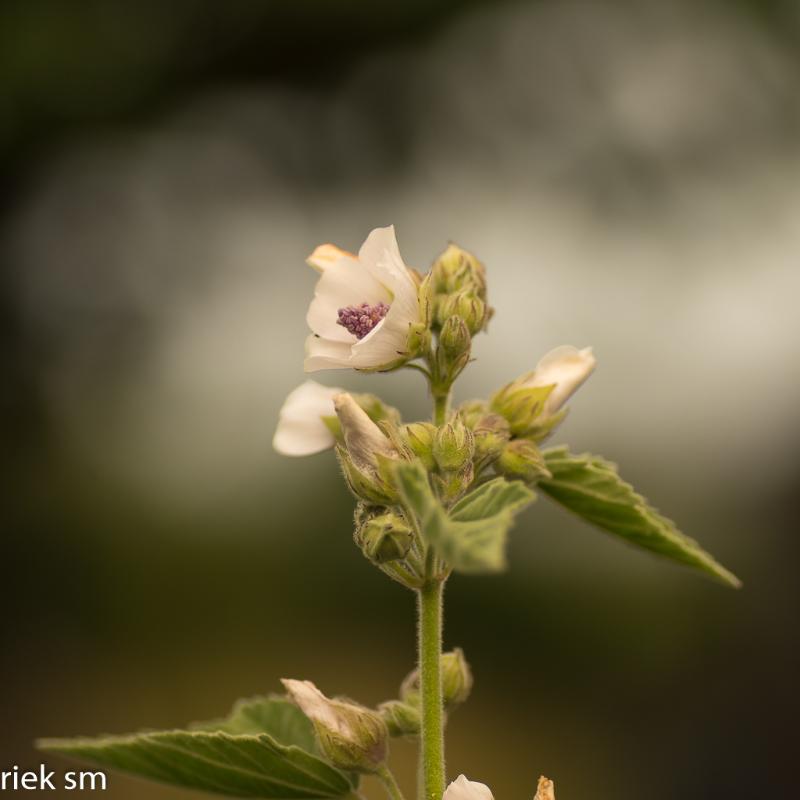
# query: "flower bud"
x,y
491,432
362,437
419,438
453,446
456,678
351,737
402,719
533,403
472,411
456,681
418,339
384,537
451,485
456,270
466,305
522,459
371,484
454,338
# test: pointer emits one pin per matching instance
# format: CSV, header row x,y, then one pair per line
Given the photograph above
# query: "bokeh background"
x,y
629,172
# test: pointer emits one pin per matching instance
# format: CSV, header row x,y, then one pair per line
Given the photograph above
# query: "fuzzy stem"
x,y
430,672
390,784
441,406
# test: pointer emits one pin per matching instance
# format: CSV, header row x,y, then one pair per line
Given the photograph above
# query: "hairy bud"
x,y
466,305
402,719
455,337
456,677
351,736
457,270
522,459
453,446
384,537
491,432
419,438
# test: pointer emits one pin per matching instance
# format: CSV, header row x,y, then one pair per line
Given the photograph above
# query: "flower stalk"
x,y
432,769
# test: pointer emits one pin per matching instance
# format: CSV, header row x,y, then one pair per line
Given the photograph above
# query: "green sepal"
x,y
590,487
259,751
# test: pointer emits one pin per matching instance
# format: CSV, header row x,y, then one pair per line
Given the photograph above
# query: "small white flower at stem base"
x,y
567,368
301,430
463,789
364,306
545,790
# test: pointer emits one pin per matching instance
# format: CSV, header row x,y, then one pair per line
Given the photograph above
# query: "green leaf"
x,y
264,749
472,538
590,487
491,498
277,716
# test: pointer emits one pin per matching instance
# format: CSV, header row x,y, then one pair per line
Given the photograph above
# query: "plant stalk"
x,y
432,775
390,783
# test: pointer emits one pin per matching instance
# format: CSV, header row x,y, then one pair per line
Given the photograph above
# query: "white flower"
x,y
463,789
363,306
567,368
301,430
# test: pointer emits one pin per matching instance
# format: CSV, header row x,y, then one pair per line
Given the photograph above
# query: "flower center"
x,y
360,320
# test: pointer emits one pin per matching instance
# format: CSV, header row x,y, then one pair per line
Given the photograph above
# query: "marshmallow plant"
x,y
433,498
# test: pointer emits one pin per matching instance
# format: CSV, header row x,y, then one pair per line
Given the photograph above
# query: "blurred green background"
x,y
630,174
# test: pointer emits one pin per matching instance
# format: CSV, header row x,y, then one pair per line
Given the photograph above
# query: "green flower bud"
x,y
520,406
418,340
375,408
450,485
454,338
419,438
456,678
522,459
402,719
370,484
453,446
466,305
384,537
456,270
456,681
491,432
472,411
351,736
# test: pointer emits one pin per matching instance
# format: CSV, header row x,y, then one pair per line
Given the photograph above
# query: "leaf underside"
x,y
259,751
590,487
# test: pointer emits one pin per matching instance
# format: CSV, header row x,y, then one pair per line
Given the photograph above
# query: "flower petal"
x,y
567,368
345,283
326,255
300,430
326,354
463,789
381,256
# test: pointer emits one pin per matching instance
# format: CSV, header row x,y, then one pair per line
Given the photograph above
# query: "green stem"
x,y
430,672
441,406
390,784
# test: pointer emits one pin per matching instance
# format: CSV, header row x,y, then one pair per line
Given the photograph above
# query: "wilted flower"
x,y
301,427
351,736
364,307
463,789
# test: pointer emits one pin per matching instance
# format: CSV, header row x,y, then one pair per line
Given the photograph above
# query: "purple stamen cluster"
x,y
360,320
